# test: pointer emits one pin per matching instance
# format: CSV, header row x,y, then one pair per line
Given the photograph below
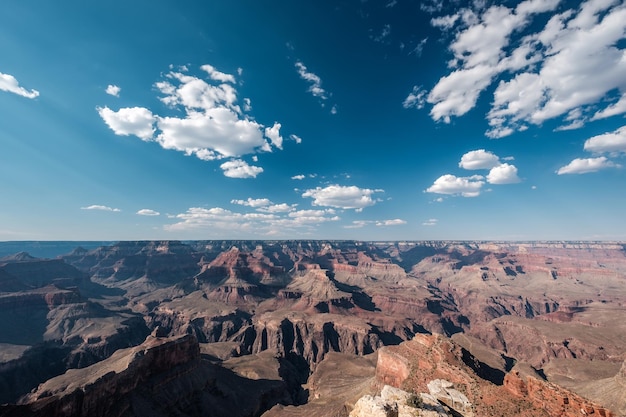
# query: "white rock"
x,y
443,391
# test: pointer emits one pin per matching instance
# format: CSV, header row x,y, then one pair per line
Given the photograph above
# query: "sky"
x,y
367,120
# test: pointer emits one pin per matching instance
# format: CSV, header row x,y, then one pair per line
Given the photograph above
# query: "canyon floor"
x,y
311,328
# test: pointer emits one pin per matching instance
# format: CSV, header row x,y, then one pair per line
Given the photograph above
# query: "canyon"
x,y
288,328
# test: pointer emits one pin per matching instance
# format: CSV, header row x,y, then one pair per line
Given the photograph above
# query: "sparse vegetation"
x,y
415,401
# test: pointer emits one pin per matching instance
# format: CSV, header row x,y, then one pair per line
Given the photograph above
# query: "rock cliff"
x,y
160,377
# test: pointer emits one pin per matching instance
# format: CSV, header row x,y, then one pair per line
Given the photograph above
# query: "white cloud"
x,y
613,142
295,138
197,218
479,159
212,126
416,99
584,166
10,84
216,132
456,94
247,104
101,208
298,177
345,197
503,174
614,109
358,224
237,168
453,185
148,212
279,221
113,90
252,202
567,69
137,121
315,81
278,208
273,133
431,6
445,22
430,222
309,217
391,222
218,75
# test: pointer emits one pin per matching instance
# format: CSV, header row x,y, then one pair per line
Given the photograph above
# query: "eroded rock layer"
x,y
553,308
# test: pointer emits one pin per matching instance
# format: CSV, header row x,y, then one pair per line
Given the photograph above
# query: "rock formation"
x,y
555,308
394,402
160,377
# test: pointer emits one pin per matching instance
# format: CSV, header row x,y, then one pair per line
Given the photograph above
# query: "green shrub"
x,y
415,401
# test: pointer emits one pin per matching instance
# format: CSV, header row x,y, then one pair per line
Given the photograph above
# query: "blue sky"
x,y
374,120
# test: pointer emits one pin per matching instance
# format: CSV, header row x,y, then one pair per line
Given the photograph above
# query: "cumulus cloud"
x,y
315,82
453,185
278,208
137,121
612,110
612,142
430,222
148,212
584,166
298,177
479,159
212,124
503,174
237,168
218,75
253,202
295,138
113,90
101,208
567,69
271,223
10,84
273,133
197,218
344,197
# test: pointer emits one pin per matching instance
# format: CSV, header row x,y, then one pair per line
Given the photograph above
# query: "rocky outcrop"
x,y
445,393
161,377
394,402
392,368
312,337
555,400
